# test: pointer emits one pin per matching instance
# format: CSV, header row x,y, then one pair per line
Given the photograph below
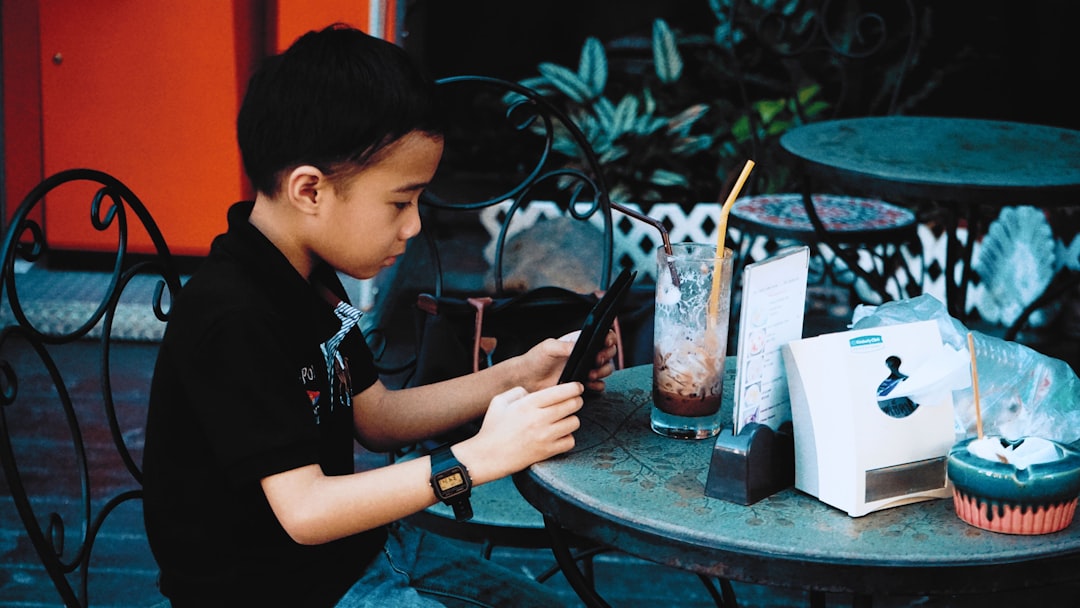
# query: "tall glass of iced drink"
x,y
690,339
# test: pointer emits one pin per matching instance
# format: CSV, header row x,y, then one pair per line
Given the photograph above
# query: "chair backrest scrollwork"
x,y
824,59
515,131
519,173
62,498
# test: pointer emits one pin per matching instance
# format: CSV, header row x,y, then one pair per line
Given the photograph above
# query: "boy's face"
x,y
366,223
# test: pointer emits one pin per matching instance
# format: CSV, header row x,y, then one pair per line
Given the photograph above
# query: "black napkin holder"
x,y
755,464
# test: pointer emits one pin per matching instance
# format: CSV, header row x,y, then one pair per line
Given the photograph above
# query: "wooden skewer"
x,y
975,385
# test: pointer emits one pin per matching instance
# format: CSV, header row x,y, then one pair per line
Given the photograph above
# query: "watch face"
x,y
451,483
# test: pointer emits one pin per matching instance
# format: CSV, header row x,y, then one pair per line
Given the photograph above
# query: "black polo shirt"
x,y
240,392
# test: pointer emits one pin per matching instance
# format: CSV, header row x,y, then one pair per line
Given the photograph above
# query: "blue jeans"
x,y
420,570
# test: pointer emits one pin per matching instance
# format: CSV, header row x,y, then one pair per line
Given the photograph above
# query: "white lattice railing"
x,y
637,242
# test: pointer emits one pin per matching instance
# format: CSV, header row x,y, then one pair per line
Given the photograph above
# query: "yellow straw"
x,y
721,230
975,385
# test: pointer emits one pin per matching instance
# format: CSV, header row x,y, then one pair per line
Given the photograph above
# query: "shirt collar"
x,y
282,286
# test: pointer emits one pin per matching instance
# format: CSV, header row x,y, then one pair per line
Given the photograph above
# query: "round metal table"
x,y
630,489
961,165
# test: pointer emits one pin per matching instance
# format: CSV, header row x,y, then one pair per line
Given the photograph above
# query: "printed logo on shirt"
x,y
343,379
308,378
340,385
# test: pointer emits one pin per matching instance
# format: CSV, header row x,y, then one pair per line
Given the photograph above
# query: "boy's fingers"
x,y
560,394
571,337
563,391
510,396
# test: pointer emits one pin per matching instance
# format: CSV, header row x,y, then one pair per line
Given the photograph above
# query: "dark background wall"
x,y
997,58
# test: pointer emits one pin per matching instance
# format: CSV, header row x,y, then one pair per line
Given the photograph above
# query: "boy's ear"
x,y
302,187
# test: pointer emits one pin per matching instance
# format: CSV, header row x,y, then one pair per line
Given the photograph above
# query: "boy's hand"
x,y
521,428
544,363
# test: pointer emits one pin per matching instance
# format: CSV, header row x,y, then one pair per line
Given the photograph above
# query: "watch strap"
x,y
442,459
462,508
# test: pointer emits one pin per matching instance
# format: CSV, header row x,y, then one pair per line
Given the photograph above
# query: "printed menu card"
x,y
771,315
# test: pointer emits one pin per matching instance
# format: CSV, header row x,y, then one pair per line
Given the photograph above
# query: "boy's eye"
x,y
403,206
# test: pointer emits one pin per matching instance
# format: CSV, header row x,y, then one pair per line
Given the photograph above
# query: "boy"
x,y
263,379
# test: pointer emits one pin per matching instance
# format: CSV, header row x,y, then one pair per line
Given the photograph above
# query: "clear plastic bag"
x,y
1022,393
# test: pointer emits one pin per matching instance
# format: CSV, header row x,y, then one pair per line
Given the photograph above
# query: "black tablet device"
x,y
595,329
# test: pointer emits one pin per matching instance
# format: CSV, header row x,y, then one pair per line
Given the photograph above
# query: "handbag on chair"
x,y
462,335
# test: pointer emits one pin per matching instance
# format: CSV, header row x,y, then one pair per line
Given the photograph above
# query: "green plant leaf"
x,y
768,109
561,141
812,105
594,130
537,83
718,8
566,81
790,7
681,124
815,109
565,146
646,125
807,93
777,127
604,112
740,129
663,177
657,124
649,102
626,114
669,63
689,146
593,67
611,154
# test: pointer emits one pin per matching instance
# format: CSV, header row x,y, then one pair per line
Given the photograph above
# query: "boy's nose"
x,y
412,227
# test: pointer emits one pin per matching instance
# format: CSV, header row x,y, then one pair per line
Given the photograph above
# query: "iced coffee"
x,y
693,300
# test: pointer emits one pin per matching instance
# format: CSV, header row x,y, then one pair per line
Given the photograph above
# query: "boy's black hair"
x,y
336,96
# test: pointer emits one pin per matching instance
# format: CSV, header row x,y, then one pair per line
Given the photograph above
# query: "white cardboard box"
x,y
854,450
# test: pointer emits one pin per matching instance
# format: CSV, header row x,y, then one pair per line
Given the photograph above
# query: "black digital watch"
x,y
451,482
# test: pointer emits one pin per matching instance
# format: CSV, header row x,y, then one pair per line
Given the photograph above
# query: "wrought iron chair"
x,y
498,177
836,59
67,500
